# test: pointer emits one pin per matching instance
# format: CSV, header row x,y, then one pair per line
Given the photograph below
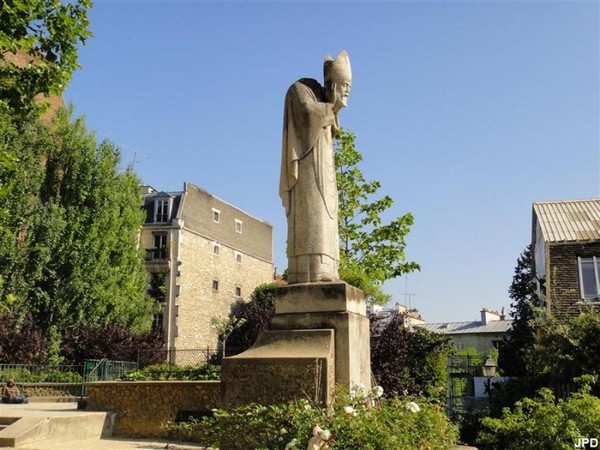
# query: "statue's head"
x,y
338,77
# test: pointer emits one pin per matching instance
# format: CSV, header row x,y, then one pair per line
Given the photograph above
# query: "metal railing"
x,y
62,380
44,381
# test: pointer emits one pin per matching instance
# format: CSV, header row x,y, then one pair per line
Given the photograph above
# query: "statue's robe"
x,y
308,187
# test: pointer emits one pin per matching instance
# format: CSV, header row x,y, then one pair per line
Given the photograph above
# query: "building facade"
x,y
481,335
566,254
202,255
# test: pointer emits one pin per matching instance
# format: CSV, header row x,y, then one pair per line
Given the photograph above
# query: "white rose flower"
x,y
358,390
292,444
325,435
377,391
413,407
350,410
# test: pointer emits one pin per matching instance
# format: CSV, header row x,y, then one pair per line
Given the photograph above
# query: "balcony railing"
x,y
157,254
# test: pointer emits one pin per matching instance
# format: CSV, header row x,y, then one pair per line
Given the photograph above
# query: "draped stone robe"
x,y
308,187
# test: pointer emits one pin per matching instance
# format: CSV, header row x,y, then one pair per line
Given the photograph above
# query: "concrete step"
x,y
56,429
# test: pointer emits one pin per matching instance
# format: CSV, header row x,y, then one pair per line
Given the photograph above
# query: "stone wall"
x,y
198,301
562,285
143,407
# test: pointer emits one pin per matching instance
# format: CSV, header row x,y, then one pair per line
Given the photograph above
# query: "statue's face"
x,y
339,90
342,91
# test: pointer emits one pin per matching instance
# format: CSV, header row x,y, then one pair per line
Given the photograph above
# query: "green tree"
x,y
71,253
46,32
371,252
409,362
256,313
517,353
571,350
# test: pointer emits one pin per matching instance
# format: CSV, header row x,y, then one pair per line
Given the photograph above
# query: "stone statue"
x,y
307,187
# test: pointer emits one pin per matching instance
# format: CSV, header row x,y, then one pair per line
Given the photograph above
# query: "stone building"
x,y
203,255
481,335
566,253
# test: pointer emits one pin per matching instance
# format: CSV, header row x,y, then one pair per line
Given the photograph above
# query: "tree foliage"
x,y
571,350
47,32
257,314
371,251
543,422
406,362
112,341
517,349
69,254
21,341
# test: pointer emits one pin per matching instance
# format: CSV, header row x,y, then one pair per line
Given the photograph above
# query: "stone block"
x,y
331,305
282,365
319,297
352,347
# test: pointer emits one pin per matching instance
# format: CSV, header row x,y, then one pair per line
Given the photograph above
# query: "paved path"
x,y
69,409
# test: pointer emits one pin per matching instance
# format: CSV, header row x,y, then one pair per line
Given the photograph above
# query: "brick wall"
x,y
143,407
562,278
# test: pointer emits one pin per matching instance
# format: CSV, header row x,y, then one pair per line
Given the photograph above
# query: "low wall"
x,y
142,407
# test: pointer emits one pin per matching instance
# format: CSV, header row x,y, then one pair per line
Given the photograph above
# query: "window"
x,y
216,215
238,291
157,322
216,249
238,225
589,284
215,285
161,210
159,250
238,257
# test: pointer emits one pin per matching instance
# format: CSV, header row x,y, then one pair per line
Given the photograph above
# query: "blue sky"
x,y
467,112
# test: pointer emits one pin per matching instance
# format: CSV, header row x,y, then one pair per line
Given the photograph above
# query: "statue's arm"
x,y
310,115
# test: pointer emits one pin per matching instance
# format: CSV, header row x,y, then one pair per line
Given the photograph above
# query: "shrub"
x,y
21,341
166,371
542,422
408,362
257,314
24,375
352,421
108,340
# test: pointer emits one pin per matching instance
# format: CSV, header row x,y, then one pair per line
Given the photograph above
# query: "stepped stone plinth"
x,y
319,337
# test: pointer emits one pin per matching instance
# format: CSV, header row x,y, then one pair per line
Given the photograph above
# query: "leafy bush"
x,y
408,362
166,371
109,340
542,422
21,341
257,314
567,351
24,375
353,421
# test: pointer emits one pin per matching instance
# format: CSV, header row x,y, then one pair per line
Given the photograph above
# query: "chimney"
x,y
488,316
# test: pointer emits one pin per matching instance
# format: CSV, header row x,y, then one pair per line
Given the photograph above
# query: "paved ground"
x,y
63,409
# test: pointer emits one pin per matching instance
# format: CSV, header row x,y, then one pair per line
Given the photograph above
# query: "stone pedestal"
x,y
319,337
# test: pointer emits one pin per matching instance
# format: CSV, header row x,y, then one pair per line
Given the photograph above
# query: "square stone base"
x,y
335,305
319,338
282,365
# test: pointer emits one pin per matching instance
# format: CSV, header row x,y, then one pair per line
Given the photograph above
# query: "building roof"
x,y
569,220
477,327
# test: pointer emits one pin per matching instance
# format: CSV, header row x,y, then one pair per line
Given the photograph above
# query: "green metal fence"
x,y
63,381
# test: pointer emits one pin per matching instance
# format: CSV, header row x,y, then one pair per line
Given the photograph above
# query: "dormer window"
x,y
161,210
